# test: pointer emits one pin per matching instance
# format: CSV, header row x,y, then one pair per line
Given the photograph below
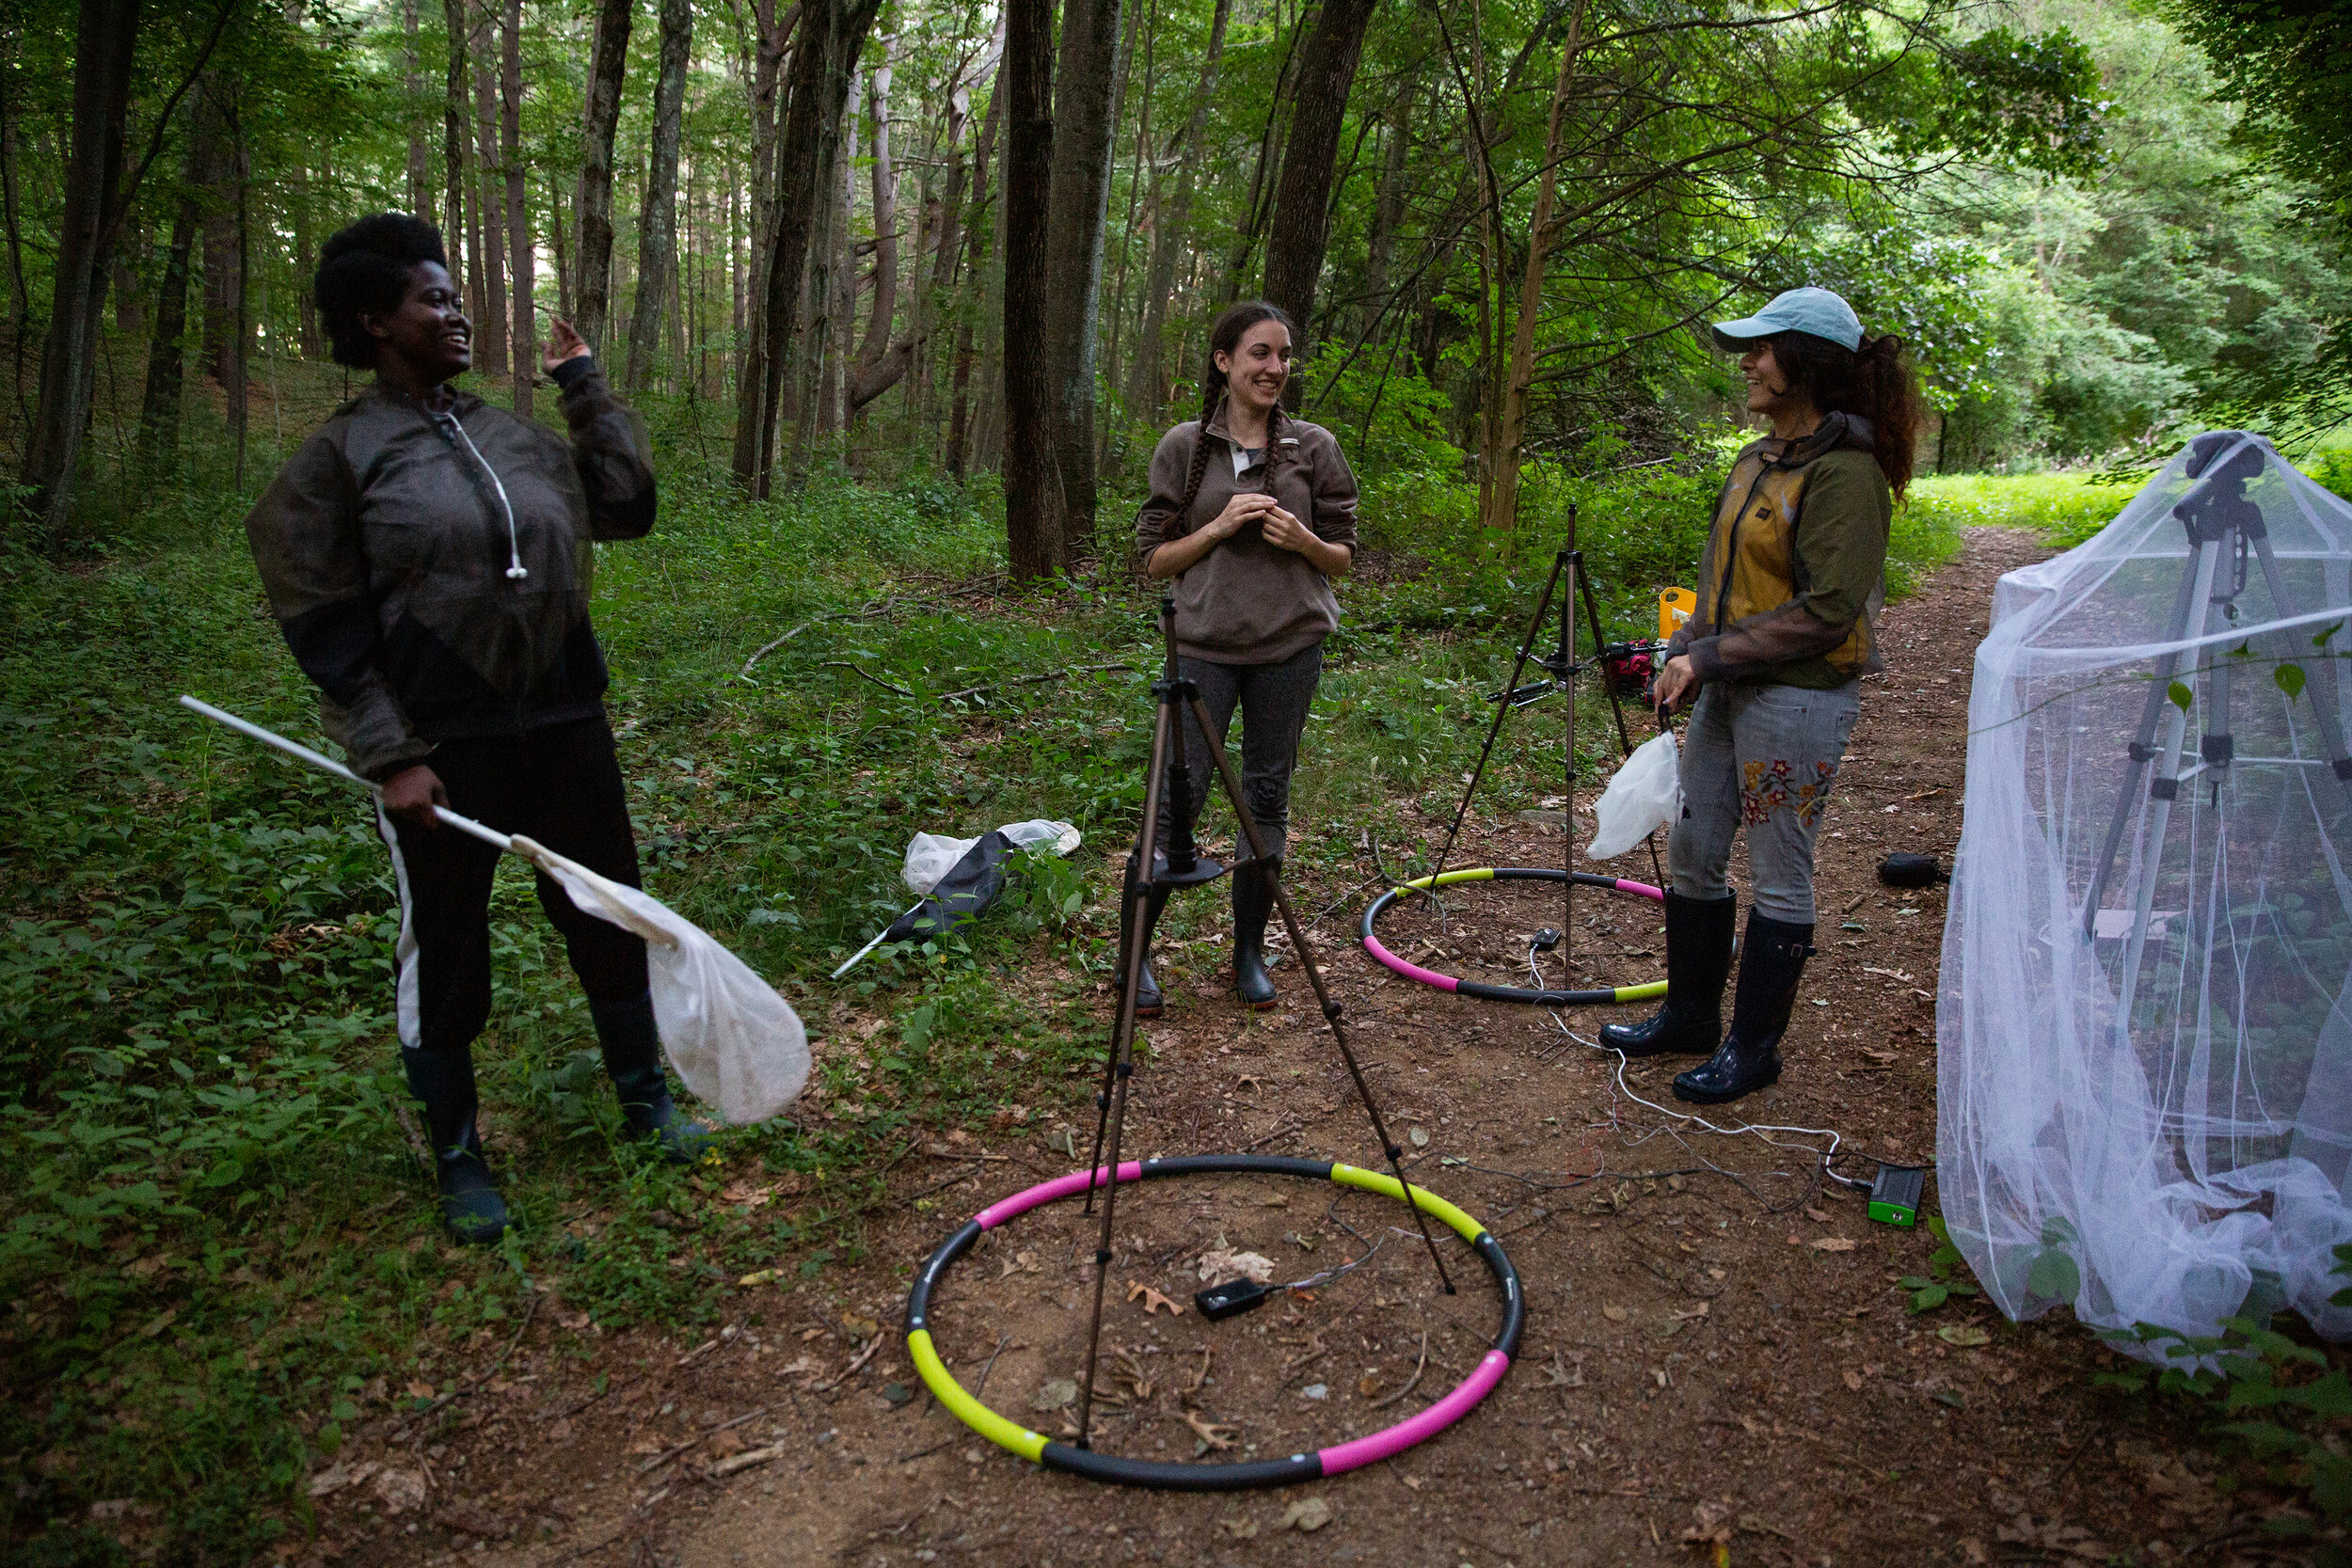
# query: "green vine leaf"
x,y
2181,695
2290,679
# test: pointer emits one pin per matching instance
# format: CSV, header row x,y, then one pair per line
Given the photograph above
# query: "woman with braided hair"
x,y
1790,588
1253,513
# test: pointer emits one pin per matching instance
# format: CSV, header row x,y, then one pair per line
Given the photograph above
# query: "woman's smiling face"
x,y
1260,365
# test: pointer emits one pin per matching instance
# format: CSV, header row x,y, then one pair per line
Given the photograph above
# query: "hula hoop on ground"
x,y
1598,997
1168,1475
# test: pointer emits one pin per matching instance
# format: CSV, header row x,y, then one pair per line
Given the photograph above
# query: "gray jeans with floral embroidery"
x,y
1764,756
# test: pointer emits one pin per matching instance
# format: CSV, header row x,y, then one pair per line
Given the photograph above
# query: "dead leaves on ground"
x,y
1152,1299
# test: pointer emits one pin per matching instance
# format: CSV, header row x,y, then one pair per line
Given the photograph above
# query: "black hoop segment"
x,y
1170,1476
1600,997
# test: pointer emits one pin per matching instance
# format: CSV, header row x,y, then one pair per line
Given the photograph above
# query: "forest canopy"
x,y
979,239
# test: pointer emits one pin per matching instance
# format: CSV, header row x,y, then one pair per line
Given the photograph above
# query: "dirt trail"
x,y
1720,1350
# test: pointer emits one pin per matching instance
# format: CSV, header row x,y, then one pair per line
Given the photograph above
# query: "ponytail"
x,y
1876,383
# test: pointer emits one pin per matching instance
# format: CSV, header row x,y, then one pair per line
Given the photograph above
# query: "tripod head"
x,y
2222,461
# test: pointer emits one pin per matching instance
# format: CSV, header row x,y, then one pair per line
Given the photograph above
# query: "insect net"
x,y
2144,1031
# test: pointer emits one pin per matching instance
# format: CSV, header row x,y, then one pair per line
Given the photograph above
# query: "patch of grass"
x,y
2065,509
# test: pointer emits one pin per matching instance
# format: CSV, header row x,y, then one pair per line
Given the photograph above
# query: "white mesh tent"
x,y
2145,1027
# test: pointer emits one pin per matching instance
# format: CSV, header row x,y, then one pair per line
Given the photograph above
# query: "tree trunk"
x,y
453,184
523,337
490,321
1033,490
656,230
886,307
306,304
1254,216
104,35
412,82
563,251
973,296
1502,495
220,229
1080,128
1388,217
601,112
1149,397
764,74
1303,195
831,33
167,351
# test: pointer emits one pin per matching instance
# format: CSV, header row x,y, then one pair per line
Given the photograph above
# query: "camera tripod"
x,y
2224,527
1181,865
1561,669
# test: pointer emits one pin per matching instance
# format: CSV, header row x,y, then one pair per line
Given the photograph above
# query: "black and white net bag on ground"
x,y
2145,1028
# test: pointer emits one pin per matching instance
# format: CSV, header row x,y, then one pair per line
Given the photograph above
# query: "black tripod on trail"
x,y
1561,669
1154,874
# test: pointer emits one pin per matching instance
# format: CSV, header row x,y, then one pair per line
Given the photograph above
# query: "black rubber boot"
x,y
442,1081
632,1055
1149,1002
1253,904
1698,958
1772,961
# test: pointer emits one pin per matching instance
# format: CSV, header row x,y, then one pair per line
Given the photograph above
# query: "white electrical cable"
x,y
515,570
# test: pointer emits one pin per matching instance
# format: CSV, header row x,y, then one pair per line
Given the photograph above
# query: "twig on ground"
x,y
1002,1340
580,1552
611,1389
650,1465
1033,680
851,1369
860,668
1411,1382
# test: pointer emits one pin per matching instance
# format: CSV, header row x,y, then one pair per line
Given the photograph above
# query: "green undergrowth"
x,y
218,1251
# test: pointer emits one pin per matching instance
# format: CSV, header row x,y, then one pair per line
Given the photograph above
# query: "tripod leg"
x,y
1134,893
1616,705
1107,1177
2330,728
1527,645
1567,770
1323,995
2143,738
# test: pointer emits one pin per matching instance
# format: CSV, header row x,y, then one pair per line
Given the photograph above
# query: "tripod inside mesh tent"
x,y
2227,533
1180,867
1567,584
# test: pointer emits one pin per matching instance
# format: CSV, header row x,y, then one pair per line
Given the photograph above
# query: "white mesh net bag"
x,y
2145,1030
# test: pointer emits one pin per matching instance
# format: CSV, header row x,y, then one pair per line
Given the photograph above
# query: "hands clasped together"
x,y
1280,527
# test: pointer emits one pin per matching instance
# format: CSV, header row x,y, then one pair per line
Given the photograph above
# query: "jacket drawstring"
x,y
515,570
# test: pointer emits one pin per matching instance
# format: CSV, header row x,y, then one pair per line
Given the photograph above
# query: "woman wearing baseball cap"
x,y
1790,588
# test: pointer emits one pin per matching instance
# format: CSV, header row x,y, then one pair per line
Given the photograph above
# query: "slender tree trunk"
x,y
763,78
563,252
305,306
1387,215
1167,232
825,51
885,178
238,383
1135,25
220,229
657,229
412,82
1033,491
523,337
601,112
973,296
1083,118
167,351
104,35
454,182
1303,195
490,321
1511,428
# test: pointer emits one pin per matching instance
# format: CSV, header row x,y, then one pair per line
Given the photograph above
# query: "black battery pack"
x,y
1230,1299
1895,1194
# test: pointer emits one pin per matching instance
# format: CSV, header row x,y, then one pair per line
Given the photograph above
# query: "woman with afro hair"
x,y
426,556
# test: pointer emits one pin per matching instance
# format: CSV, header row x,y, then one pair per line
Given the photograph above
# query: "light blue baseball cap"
x,y
1815,311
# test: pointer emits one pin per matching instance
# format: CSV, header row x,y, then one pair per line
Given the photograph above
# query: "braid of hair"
x,y
1276,422
1199,468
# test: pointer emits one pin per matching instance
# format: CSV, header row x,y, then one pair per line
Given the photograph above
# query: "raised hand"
x,y
563,343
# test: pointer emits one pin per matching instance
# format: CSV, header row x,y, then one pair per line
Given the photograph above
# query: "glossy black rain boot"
x,y
442,1081
632,1055
1253,904
1149,1002
1772,961
1698,958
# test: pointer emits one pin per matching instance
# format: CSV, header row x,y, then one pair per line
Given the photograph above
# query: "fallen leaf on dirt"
x,y
1367,1386
650,1444
1239,1529
749,1195
1152,1299
1307,1514
1420,1138
800,1364
1878,1055
1832,1244
1275,1200
1615,1314
1062,1140
1967,1336
759,1276
336,1477
1054,1393
1820,1216
1713,1528
1413,1482
420,1390
1853,1380
859,1328
1212,1434
399,1490
725,1444
1221,1262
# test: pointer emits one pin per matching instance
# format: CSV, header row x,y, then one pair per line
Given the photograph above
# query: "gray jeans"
x,y
1766,756
1272,700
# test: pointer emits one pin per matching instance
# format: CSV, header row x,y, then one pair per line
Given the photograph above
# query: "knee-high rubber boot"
x,y
1698,960
442,1081
1253,903
1149,1002
1772,961
632,1055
